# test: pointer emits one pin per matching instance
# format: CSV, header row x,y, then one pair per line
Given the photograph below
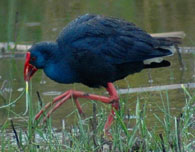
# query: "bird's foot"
x,y
113,99
59,101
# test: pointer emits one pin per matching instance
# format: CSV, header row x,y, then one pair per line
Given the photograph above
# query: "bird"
x,y
96,50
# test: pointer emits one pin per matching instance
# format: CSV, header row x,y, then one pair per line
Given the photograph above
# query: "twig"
x,y
15,29
63,129
16,135
94,115
93,123
176,34
180,59
71,142
40,100
155,88
178,134
150,77
162,142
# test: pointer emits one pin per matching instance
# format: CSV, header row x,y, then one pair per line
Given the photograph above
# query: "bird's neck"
x,y
60,73
56,66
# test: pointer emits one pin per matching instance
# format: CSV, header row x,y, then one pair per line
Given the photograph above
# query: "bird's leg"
x,y
78,106
115,106
58,99
113,99
75,95
50,104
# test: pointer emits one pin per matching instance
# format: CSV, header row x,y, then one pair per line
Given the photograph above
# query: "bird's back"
x,y
102,49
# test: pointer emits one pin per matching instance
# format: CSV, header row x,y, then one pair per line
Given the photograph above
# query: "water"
x,y
43,20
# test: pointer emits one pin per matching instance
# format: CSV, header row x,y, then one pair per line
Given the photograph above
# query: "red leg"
x,y
56,100
57,106
78,106
74,94
50,104
113,99
115,106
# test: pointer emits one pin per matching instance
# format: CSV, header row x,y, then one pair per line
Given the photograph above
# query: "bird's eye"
x,y
33,58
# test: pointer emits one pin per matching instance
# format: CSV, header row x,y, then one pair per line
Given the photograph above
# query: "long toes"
x,y
48,105
38,115
61,96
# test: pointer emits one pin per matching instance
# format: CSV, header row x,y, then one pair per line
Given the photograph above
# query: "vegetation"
x,y
87,135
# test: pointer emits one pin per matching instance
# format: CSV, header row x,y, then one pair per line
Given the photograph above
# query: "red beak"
x,y
29,69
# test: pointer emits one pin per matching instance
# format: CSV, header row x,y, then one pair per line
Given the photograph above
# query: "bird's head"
x,y
37,57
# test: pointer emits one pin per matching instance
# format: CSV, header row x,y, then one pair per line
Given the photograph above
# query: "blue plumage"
x,y
95,50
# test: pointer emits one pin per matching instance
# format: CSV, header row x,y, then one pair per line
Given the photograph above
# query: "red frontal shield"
x,y
29,69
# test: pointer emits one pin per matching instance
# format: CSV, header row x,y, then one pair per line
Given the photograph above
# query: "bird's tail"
x,y
163,63
169,40
166,47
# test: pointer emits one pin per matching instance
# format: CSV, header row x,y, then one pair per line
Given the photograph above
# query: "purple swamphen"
x,y
96,51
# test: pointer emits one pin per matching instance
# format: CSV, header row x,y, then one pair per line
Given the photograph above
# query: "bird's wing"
x,y
116,40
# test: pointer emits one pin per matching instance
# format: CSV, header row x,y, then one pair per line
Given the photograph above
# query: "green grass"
x,y
176,135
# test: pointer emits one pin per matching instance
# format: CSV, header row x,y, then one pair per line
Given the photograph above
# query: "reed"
x,y
87,135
